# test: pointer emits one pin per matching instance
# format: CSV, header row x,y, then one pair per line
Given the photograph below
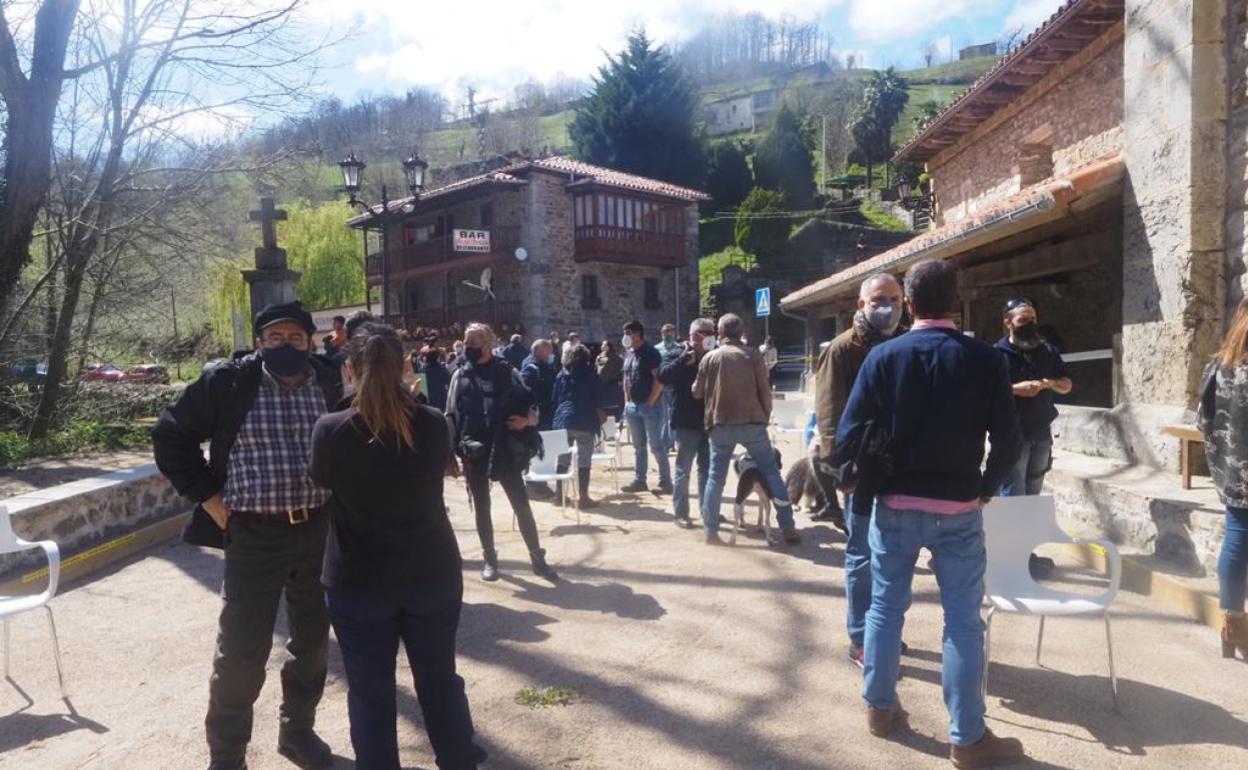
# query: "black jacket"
x,y
539,378
389,532
687,411
213,409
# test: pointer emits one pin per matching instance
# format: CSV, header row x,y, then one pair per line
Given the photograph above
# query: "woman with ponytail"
x,y
392,567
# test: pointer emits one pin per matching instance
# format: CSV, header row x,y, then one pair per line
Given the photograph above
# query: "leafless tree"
x,y
152,78
1009,39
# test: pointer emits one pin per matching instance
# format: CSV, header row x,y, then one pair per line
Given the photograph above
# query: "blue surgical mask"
x,y
886,317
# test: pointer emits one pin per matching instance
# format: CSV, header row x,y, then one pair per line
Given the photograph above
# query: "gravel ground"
x,y
677,655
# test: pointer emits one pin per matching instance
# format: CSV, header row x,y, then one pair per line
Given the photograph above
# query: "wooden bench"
x,y
1187,435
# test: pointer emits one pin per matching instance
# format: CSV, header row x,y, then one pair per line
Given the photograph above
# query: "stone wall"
x,y
552,279
85,513
1077,111
1237,154
1175,201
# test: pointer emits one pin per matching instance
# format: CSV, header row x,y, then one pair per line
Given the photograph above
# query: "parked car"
x,y
102,372
148,373
28,370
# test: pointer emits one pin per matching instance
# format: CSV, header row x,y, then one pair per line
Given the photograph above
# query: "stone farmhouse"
x,y
1098,170
569,247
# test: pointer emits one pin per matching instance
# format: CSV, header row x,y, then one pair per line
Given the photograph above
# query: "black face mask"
x,y
473,355
431,359
285,360
1026,336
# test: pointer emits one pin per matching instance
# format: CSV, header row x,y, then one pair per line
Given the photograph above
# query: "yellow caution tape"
x,y
78,558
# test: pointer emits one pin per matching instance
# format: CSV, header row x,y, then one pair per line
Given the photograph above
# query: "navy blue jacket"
x,y
1036,414
936,392
578,396
539,378
687,411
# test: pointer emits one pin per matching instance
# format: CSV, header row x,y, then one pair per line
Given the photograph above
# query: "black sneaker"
x,y
664,488
635,486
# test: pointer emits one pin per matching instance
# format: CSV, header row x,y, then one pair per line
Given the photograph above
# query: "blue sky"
x,y
496,44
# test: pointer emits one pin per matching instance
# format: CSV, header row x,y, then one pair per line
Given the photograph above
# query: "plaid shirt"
x,y
268,467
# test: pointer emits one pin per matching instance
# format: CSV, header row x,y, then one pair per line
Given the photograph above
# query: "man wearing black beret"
x,y
254,498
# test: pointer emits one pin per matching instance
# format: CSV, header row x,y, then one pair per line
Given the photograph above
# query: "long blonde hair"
x,y
1235,344
385,406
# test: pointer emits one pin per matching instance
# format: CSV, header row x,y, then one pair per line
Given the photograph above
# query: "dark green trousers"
x,y
263,560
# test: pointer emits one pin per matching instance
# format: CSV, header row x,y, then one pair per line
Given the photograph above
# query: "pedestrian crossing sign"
x,y
762,302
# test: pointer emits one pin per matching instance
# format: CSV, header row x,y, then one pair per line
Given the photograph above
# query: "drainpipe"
x,y
806,336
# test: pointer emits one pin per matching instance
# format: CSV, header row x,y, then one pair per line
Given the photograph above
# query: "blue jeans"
x,y
668,401
956,543
690,444
857,573
369,627
1027,476
724,439
645,423
1233,562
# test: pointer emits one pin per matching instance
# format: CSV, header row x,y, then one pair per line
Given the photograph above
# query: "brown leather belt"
x,y
293,517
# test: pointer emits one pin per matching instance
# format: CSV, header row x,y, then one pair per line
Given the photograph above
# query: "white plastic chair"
x,y
555,444
15,605
1013,528
607,449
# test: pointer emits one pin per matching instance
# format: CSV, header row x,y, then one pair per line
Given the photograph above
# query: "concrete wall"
x,y
85,513
1174,202
1077,110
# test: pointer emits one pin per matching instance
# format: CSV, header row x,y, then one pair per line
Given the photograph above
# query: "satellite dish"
x,y
522,253
484,285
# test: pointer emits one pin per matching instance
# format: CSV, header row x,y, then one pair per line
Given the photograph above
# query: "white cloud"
x,y
877,21
1028,14
495,44
944,48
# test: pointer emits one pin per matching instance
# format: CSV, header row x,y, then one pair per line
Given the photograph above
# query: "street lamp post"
x,y
352,171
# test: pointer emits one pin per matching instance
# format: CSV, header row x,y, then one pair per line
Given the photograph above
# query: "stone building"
x,y
1098,170
568,246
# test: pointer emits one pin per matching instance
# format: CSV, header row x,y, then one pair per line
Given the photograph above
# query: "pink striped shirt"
x,y
929,504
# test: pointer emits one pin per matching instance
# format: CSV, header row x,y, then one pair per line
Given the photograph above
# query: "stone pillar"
x,y
271,282
1173,210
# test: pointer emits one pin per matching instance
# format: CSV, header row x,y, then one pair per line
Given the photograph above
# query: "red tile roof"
x,y
558,164
1069,30
1042,202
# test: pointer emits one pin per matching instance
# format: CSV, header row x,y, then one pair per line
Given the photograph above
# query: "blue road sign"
x,y
762,302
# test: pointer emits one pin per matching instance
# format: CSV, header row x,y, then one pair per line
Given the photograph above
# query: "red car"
x,y
102,372
148,373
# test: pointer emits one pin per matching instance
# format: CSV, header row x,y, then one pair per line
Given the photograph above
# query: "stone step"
x,y
1169,537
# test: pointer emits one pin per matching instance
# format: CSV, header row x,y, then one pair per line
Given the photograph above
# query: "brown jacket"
x,y
732,380
834,379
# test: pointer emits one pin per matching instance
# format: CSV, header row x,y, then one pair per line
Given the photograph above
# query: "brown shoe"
x,y
988,752
881,722
1234,634
713,538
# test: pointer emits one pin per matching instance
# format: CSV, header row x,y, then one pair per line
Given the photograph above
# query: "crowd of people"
x,y
324,482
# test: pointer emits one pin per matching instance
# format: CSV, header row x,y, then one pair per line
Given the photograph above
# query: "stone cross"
x,y
271,282
268,255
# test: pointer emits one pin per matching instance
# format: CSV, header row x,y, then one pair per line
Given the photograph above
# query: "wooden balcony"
x,y
496,314
605,243
437,255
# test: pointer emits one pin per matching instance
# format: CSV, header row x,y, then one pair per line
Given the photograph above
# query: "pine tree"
x,y
783,161
640,117
729,179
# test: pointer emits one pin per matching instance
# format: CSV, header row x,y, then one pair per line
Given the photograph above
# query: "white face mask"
x,y
708,343
550,359
626,342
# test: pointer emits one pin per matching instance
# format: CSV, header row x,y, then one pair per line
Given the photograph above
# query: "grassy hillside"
x,y
951,73
444,147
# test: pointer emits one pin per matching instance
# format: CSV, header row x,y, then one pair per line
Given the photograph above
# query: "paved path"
x,y
680,655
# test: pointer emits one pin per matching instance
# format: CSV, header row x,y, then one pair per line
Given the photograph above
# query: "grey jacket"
x,y
1223,418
